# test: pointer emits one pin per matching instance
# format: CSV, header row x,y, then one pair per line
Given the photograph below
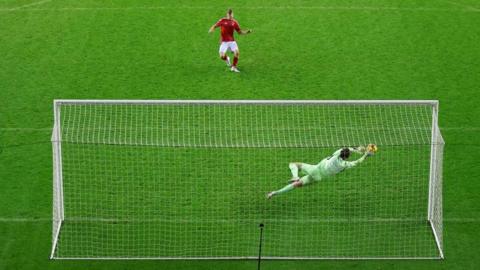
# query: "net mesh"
x,y
189,180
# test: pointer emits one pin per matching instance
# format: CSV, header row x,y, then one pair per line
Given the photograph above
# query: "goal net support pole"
x,y
58,209
435,210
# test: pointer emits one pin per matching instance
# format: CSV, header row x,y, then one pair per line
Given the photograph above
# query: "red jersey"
x,y
227,27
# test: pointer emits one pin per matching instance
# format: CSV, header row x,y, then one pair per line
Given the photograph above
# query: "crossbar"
x,y
199,101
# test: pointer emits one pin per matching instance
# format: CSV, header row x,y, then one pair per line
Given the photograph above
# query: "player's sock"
x,y
293,167
235,61
285,189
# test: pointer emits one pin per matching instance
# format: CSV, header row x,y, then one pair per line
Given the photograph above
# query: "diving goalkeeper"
x,y
329,166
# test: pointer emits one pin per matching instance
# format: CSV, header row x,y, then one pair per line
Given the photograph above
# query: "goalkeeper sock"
x,y
293,167
285,189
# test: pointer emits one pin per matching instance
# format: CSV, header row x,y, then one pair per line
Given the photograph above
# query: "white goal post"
x,y
187,179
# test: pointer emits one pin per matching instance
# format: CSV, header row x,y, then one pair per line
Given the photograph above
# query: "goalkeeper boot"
x,y
270,195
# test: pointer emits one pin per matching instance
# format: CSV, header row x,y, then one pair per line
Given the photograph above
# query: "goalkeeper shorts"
x,y
314,171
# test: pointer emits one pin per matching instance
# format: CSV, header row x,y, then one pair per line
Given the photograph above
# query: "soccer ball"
x,y
372,148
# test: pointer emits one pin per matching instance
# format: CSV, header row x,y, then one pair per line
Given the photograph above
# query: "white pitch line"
x,y
461,220
30,5
46,219
332,8
17,220
461,5
25,129
8,129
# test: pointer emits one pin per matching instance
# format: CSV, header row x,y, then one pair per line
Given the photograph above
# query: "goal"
x,y
187,179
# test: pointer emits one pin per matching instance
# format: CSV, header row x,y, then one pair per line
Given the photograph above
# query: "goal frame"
x,y
58,215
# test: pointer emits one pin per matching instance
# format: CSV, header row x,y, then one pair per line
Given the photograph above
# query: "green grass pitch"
x,y
146,49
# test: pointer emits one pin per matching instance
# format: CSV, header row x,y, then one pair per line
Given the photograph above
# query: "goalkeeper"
x,y
329,166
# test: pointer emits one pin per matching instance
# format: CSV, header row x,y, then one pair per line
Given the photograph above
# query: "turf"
x,y
300,50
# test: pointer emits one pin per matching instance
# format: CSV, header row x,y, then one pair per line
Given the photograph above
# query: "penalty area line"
x,y
30,5
461,5
464,8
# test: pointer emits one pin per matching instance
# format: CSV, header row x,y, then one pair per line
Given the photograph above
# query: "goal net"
x,y
188,179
